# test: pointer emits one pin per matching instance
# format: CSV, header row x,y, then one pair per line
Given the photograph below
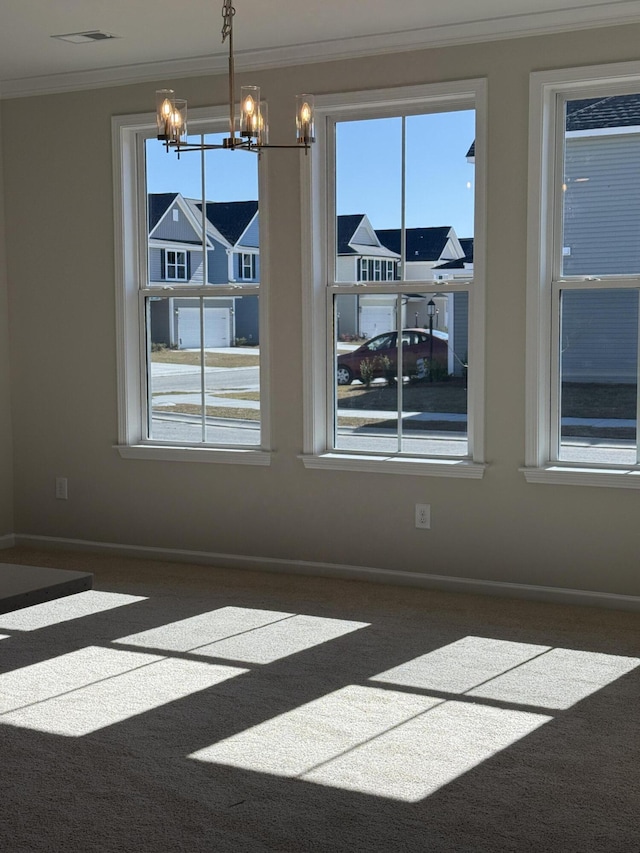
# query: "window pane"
x,y
599,376
203,352
231,413
426,413
601,187
439,197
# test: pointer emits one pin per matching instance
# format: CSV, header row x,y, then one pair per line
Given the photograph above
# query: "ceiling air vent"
x,y
84,38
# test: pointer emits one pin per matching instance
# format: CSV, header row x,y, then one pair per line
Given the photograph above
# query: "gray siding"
x,y
602,205
218,272
347,308
599,336
181,231
252,237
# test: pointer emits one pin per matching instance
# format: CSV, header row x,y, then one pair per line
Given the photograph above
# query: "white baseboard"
x,y
8,541
345,572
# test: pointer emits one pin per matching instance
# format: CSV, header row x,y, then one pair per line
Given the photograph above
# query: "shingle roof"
x,y
347,226
159,203
614,111
231,218
423,244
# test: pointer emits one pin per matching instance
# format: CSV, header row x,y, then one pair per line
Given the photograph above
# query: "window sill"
x,y
396,465
616,478
164,453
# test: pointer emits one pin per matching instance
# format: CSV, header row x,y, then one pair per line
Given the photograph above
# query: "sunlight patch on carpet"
x,y
518,673
243,634
557,679
462,665
64,609
381,742
84,691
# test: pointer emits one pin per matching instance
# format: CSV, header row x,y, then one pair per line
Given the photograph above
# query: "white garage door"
x,y
375,319
217,324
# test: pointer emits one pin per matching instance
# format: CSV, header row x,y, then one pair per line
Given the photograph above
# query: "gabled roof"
x,y
231,218
159,203
467,248
348,224
614,111
423,244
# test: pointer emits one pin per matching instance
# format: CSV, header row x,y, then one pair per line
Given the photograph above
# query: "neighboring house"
x,y
177,258
437,254
602,152
362,257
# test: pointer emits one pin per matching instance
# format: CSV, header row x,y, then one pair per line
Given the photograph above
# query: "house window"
x,y
583,348
377,399
175,265
176,399
247,265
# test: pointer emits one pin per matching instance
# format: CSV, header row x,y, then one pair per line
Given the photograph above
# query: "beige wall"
x,y
61,270
6,455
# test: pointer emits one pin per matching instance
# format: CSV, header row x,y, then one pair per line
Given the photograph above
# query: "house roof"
x,y
159,203
423,244
594,113
460,263
347,226
231,218
613,111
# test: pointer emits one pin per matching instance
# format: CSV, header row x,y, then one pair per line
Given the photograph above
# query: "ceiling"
x,y
160,38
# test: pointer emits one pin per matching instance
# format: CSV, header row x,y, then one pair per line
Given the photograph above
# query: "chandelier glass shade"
x,y
248,129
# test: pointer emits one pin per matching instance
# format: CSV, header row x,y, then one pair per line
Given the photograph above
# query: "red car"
x,y
416,351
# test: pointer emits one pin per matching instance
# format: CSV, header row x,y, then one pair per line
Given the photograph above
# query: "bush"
x,y
367,370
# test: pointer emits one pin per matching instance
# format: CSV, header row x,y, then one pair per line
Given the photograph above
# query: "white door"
x,y
217,325
376,319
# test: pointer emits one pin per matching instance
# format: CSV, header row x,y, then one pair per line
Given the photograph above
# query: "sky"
x,y
439,180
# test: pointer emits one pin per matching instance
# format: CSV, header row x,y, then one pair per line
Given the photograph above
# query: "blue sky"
x,y
439,179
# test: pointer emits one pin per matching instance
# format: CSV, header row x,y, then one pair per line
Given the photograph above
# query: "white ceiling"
x,y
178,37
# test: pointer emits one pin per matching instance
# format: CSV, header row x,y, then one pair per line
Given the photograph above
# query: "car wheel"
x,y
344,375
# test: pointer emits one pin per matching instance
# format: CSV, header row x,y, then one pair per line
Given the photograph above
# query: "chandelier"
x,y
253,131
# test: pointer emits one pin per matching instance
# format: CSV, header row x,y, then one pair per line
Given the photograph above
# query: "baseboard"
x,y
345,572
8,541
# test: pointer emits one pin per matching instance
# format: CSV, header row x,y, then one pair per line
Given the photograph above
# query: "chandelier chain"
x,y
228,11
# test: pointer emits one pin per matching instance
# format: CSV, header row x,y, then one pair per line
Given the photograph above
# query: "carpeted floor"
x,y
185,708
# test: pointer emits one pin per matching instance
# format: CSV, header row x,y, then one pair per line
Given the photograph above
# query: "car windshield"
x,y
381,342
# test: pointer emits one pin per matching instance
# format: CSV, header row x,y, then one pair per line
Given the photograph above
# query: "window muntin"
x,y
385,159
200,389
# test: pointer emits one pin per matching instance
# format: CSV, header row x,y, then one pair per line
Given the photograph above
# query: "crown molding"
x,y
468,32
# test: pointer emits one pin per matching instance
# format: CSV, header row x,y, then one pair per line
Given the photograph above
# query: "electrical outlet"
x,y
423,516
61,488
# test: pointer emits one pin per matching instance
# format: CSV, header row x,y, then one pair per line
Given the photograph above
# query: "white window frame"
x,y
544,254
179,266
129,134
319,252
247,265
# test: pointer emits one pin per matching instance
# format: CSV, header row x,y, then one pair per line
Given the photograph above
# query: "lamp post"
x,y
431,311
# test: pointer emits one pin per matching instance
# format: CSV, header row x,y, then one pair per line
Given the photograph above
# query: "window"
x,y
247,266
175,265
185,322
584,278
394,192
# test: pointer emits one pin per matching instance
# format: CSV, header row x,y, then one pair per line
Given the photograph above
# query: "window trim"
x,y
543,236
129,133
317,248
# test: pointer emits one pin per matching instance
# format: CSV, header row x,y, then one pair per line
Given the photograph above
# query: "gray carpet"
x,y
184,708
